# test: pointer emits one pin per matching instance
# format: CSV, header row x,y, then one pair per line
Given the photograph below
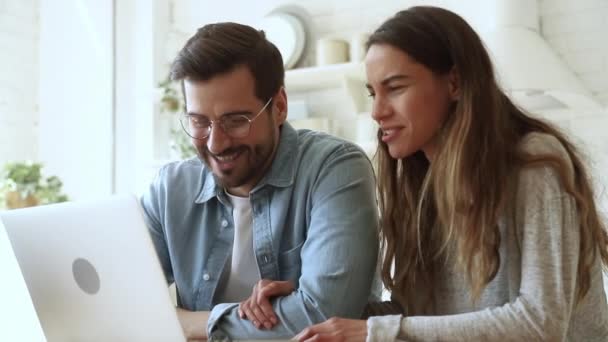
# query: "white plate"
x,y
286,31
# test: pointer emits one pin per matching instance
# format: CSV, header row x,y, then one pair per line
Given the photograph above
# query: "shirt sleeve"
x,y
151,207
338,257
547,220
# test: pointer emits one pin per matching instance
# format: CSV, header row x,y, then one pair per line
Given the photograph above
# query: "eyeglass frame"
x,y
220,124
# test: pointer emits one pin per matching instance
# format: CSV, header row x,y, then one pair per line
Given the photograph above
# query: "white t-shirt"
x,y
241,272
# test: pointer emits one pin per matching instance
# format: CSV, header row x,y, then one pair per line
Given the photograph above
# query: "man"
x,y
261,201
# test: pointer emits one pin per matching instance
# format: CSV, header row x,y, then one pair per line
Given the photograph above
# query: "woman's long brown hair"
x,y
456,201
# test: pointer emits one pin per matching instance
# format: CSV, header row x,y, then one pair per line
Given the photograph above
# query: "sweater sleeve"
x,y
547,221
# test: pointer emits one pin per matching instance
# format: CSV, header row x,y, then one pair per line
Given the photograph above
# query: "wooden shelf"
x,y
348,76
327,76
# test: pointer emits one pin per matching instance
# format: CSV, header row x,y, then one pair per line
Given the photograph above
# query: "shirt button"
x,y
224,223
206,276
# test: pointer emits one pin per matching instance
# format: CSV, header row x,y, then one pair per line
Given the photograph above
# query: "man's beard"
x,y
257,158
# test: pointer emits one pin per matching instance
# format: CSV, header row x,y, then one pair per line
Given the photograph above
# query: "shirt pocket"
x,y
290,264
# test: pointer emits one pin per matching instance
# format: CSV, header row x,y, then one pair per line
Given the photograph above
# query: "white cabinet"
x,y
349,76
340,100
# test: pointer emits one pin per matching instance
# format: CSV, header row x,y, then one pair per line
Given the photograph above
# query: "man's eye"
x,y
196,121
235,121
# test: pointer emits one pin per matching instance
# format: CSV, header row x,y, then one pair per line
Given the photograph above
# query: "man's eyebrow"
x,y
237,112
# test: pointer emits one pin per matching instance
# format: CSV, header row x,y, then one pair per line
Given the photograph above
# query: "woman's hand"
x,y
257,307
335,329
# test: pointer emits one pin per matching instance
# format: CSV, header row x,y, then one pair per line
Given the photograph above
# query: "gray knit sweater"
x,y
532,297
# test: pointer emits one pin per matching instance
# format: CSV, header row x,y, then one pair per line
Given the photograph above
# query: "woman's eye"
x,y
372,95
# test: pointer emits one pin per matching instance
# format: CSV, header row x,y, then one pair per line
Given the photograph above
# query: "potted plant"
x,y
172,102
22,185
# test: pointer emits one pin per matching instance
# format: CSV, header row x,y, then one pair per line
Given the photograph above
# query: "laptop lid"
x,y
92,272
18,320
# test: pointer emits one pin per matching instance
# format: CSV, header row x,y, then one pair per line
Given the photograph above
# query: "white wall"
x,y
76,94
19,33
140,64
576,30
75,75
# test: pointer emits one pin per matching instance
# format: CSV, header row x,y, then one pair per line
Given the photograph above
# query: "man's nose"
x,y
217,141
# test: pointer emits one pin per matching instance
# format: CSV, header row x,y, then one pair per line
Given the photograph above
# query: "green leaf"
x,y
26,178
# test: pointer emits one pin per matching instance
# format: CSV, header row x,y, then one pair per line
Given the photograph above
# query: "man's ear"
x,y
280,106
454,84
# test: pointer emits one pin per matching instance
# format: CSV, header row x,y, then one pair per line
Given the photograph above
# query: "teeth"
x,y
227,158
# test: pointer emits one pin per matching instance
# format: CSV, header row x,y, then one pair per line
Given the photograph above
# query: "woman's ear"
x,y
454,84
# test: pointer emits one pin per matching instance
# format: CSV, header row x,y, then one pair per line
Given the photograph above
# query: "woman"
x,y
488,215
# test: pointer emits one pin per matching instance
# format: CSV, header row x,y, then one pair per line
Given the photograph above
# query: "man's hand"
x,y
194,324
335,329
257,307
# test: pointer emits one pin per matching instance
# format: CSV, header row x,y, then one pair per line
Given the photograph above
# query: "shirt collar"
x,y
281,173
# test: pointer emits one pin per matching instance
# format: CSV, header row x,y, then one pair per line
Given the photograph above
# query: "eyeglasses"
x,y
234,125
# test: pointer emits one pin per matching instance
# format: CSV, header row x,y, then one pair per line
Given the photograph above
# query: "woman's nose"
x,y
380,109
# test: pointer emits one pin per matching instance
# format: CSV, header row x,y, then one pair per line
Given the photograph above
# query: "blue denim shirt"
x,y
314,222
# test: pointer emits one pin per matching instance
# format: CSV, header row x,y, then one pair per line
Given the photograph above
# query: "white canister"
x,y
357,46
331,51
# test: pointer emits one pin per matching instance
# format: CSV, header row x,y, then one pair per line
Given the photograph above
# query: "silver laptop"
x,y
92,272
18,320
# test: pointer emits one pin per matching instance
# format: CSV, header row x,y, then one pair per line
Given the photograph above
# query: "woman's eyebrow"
x,y
389,80
394,78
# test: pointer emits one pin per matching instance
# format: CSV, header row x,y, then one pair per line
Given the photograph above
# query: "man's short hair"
x,y
219,48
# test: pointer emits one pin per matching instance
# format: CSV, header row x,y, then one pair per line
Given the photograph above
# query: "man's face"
x,y
237,163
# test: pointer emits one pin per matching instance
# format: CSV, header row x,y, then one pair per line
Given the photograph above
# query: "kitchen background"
x,y
79,79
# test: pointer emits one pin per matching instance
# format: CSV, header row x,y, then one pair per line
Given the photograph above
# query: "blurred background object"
x,y
23,185
84,83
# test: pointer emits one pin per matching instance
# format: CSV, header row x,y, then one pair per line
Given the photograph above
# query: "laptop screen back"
x,y
92,272
18,320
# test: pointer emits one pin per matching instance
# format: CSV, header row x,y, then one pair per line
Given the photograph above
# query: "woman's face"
x,y
410,101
